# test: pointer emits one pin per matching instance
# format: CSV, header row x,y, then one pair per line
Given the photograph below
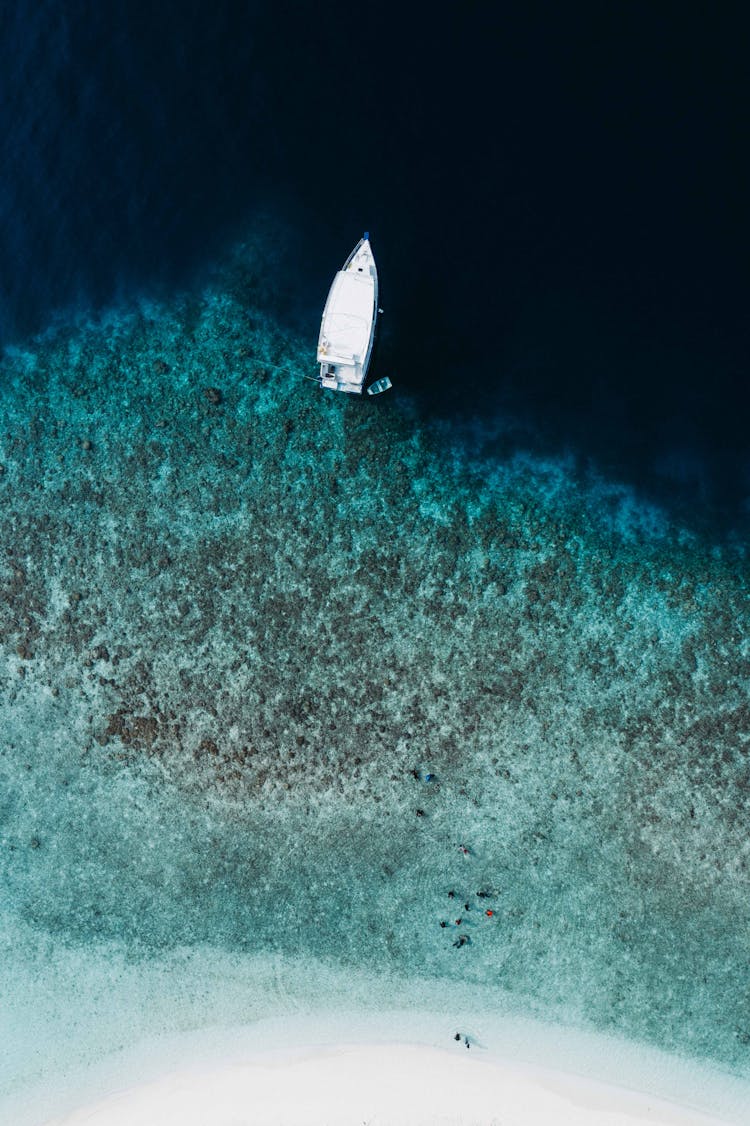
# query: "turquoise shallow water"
x,y
233,633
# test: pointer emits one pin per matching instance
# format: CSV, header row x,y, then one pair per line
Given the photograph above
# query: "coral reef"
x,y
241,621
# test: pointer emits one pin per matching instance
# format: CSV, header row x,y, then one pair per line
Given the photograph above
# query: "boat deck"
x,y
348,323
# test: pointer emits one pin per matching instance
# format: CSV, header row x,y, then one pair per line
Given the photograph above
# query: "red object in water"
x,y
489,913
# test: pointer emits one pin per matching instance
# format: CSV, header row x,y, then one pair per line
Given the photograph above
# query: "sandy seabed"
x,y
396,1069
376,1085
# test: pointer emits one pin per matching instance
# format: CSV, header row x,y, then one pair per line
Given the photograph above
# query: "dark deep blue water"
x,y
557,199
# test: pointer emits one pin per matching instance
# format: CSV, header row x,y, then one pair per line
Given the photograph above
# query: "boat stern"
x,y
340,377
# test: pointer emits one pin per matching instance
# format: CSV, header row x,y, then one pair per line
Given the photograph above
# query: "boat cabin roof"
x,y
347,320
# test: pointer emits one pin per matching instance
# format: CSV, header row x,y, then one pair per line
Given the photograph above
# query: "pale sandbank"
x,y
398,1084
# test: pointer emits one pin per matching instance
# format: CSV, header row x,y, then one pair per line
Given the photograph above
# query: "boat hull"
x,y
348,328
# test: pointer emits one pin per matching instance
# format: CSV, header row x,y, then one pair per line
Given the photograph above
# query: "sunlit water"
x,y
239,632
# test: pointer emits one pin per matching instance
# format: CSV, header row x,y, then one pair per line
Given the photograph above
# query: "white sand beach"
x,y
377,1085
327,1047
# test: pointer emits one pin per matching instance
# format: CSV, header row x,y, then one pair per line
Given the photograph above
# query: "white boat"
x,y
349,325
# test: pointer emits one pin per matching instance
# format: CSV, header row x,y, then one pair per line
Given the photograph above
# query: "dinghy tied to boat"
x,y
348,329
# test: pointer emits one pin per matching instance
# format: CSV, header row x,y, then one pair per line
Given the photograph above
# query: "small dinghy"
x,y
349,326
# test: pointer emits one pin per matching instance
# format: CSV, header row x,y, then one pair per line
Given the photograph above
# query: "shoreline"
x,y
400,1084
391,1069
